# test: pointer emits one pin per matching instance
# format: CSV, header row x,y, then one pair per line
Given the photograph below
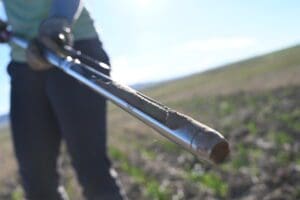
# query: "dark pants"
x,y
49,106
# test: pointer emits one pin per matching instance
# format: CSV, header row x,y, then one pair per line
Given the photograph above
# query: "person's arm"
x,y
68,9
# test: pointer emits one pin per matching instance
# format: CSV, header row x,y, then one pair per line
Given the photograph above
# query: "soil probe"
x,y
201,140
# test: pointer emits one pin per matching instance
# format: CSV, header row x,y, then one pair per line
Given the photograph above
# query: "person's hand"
x,y
54,34
4,33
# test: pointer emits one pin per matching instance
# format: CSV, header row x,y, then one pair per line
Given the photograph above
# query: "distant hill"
x,y
4,120
144,85
269,71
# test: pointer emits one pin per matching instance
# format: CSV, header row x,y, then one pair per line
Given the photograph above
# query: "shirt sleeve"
x,y
69,9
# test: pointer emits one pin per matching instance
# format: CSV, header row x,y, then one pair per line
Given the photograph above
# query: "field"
x,y
255,103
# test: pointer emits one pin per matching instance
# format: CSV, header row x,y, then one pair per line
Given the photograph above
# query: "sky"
x,y
152,40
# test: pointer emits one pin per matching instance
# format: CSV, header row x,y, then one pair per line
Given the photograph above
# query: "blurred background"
x,y
233,65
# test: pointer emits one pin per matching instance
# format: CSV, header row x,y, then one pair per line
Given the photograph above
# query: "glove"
x,y
4,33
54,34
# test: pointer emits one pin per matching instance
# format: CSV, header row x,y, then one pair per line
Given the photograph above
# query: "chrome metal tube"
x,y
206,143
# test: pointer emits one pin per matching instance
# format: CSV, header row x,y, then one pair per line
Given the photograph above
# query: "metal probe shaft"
x,y
203,141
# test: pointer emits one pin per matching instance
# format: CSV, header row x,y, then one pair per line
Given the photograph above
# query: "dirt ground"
x,y
263,131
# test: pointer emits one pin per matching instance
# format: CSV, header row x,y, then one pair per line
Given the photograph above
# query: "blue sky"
x,y
151,40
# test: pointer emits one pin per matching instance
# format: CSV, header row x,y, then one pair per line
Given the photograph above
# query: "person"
x,y
48,106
